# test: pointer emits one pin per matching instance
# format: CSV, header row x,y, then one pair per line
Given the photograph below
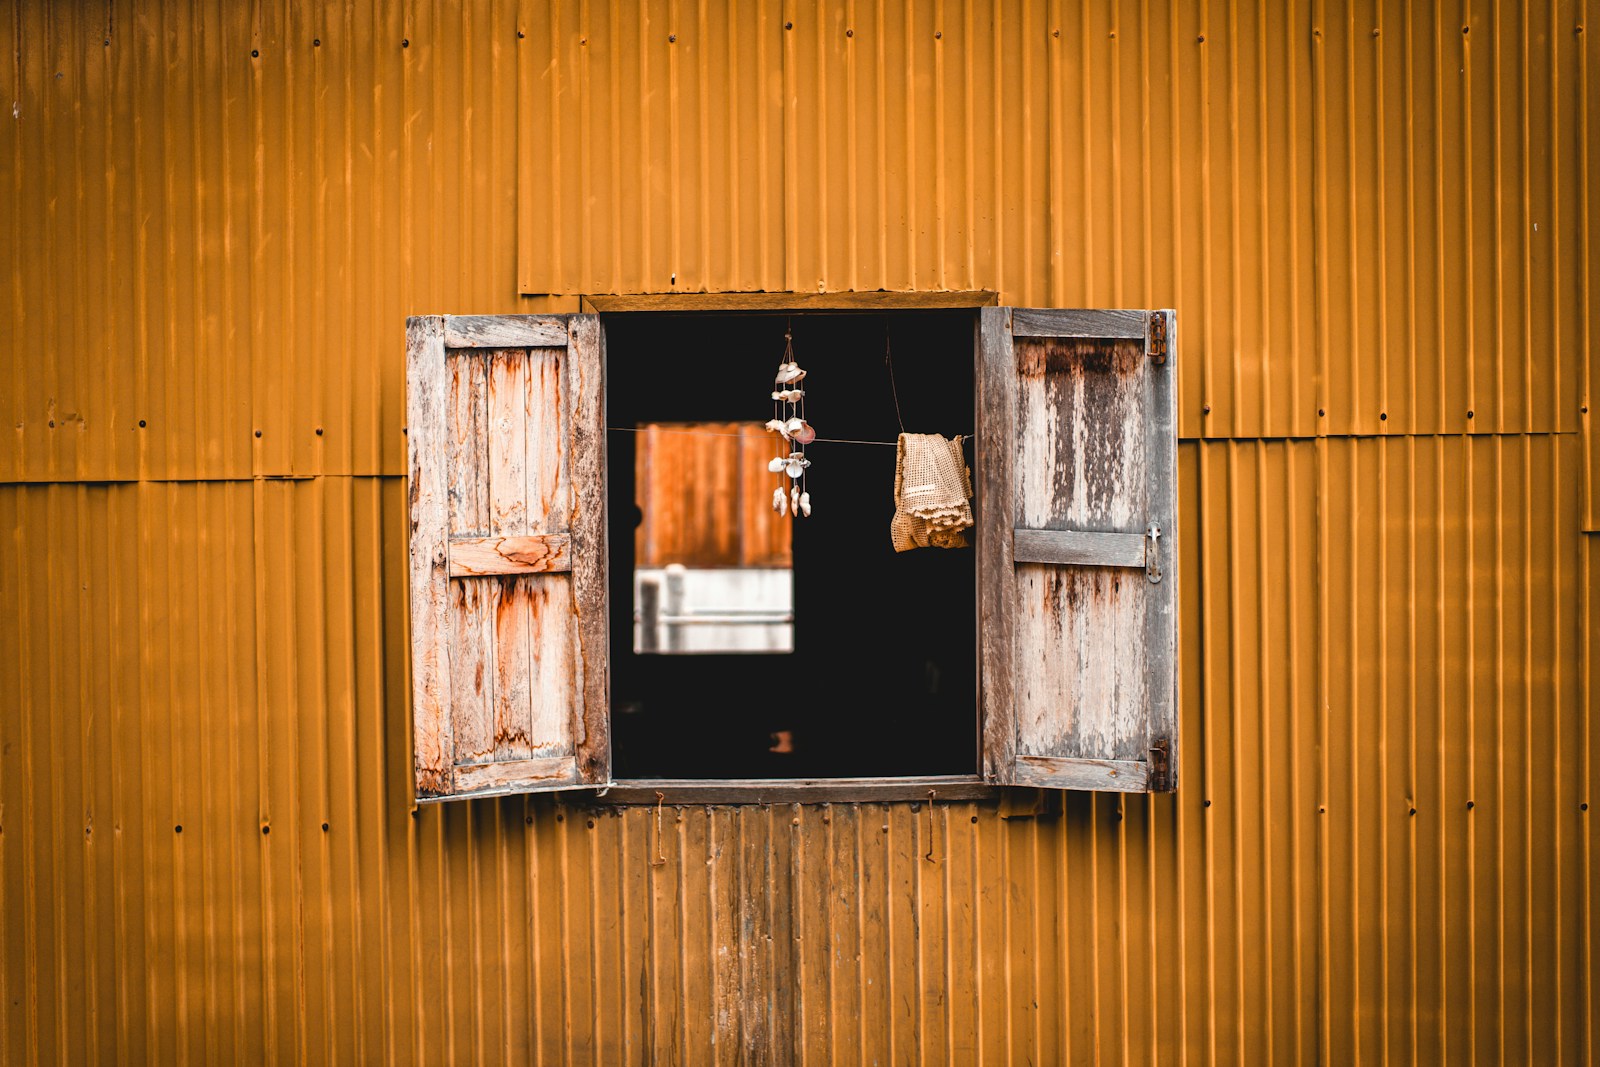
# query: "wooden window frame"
x,y
994,728
625,791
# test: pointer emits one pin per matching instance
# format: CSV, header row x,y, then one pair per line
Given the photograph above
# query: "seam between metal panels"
x,y
380,475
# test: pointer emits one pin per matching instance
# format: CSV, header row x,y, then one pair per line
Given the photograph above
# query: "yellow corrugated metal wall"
x,y
1372,219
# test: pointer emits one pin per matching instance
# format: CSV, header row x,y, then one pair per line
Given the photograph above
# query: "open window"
x,y
601,594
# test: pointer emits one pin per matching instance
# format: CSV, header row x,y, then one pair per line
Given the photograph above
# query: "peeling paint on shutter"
x,y
1079,596
507,554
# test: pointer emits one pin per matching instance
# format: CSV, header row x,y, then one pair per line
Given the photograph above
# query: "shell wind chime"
x,y
794,433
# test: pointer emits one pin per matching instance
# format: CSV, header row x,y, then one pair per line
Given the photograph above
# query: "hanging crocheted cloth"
x,y
932,493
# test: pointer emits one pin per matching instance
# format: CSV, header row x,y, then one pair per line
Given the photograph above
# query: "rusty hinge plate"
x,y
1158,336
1160,778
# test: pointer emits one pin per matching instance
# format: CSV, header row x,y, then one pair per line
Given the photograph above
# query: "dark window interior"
x,y
882,679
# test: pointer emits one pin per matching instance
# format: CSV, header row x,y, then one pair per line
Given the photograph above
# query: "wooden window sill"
x,y
794,790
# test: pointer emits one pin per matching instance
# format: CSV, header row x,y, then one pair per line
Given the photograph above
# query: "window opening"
x,y
865,661
712,563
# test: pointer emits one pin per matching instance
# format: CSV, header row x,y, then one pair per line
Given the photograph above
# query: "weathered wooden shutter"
x,y
506,430
1078,576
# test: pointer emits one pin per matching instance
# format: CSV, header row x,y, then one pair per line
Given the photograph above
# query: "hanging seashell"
x,y
789,396
794,500
793,426
803,505
776,465
778,426
798,375
780,501
794,468
805,434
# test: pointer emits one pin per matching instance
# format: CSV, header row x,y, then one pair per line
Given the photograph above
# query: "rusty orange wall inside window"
x,y
1375,222
703,490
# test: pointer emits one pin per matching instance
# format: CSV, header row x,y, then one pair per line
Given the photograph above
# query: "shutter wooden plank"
x,y
1161,623
468,462
508,417
1064,546
533,554
513,670
996,490
516,776
1126,776
1071,322
551,620
548,490
505,331
586,385
472,604
426,436
552,647
1080,679
472,689
1080,435
508,443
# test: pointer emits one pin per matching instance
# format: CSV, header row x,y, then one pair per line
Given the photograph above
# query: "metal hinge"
x,y
1158,336
1152,552
1160,777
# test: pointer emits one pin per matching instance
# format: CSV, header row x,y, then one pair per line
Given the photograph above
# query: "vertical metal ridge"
x,y
1236,801
1320,718
1235,243
1378,598
1413,790
1213,777
1263,615
1589,370
1444,808
1294,630
1590,693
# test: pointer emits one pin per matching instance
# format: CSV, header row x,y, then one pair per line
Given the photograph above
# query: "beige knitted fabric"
x,y
932,493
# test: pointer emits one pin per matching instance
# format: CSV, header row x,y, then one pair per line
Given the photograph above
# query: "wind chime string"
x,y
789,423
888,361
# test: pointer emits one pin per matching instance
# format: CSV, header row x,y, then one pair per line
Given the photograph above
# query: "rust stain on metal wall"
x,y
214,226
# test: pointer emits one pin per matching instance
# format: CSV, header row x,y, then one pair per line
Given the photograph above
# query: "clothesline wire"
x,y
713,433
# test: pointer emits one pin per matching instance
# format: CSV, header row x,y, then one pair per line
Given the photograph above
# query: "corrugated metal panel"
x,y
1370,211
1372,628
215,242
245,204
218,220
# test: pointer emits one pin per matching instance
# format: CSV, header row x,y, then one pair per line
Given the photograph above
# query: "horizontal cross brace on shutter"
x,y
1121,776
514,775
1079,547
1069,322
505,331
535,554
